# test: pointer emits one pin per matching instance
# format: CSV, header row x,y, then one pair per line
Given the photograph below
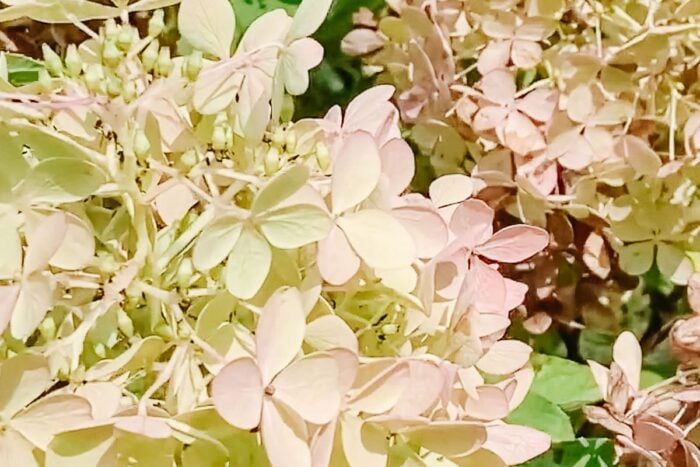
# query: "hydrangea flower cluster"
x,y
190,277
580,117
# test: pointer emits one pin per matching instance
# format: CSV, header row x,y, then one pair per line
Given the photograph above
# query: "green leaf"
x,y
563,382
582,452
22,70
596,345
537,412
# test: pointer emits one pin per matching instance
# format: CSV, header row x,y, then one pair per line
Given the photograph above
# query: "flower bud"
x,y
164,330
129,91
150,56
164,64
52,61
189,158
272,161
111,29
47,328
141,144
74,64
156,24
290,141
100,350
278,137
194,65
124,323
110,53
114,86
45,79
323,157
94,76
390,329
218,139
126,37
185,271
229,137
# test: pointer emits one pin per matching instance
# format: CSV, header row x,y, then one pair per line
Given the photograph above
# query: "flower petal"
x,y
237,393
356,171
516,444
284,436
514,244
336,259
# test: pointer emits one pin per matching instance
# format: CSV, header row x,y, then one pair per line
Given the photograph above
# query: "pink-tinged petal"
x,y
8,298
284,436
426,227
516,444
578,156
498,86
150,427
492,404
650,433
515,294
489,118
299,57
378,238
525,54
505,357
484,288
450,439
539,104
237,392
425,383
544,178
364,444
330,332
383,392
523,379
450,189
322,444
601,375
521,135
398,164
336,259
490,325
310,387
449,275
173,204
356,171
514,244
348,365
494,56
373,112
361,41
44,241
280,332
472,222
628,354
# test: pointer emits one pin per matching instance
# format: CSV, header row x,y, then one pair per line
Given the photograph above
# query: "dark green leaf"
x,y
596,345
537,412
563,382
22,70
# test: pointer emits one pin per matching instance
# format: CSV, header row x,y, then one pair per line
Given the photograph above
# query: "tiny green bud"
x,y
129,91
107,264
390,329
189,158
290,141
52,61
100,350
126,37
183,330
47,328
111,29
124,323
218,139
164,330
114,86
323,157
74,64
45,79
194,65
150,55
229,137
111,53
185,271
278,137
221,119
164,64
94,74
141,144
156,24
272,161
